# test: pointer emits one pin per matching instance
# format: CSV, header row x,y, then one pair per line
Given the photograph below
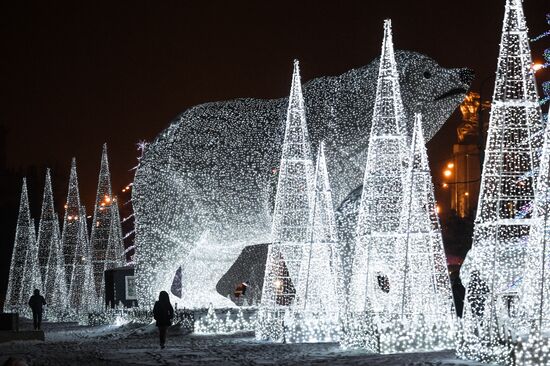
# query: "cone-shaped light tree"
x,y
535,291
25,238
31,274
316,288
316,311
55,287
291,216
114,256
374,276
101,224
82,292
71,239
495,263
426,315
46,229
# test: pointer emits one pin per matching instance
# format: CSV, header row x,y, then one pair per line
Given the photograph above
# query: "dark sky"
x,y
76,75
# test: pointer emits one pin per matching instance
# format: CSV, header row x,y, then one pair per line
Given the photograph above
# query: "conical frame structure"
x,y
495,264
535,292
101,224
374,279
316,311
71,238
25,238
47,239
55,287
426,317
292,212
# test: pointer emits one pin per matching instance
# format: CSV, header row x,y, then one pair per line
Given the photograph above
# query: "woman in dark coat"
x,y
163,314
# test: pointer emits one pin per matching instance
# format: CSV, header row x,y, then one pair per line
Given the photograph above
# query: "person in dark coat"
x,y
458,293
163,314
37,302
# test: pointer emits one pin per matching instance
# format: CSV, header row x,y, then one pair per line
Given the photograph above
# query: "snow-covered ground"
x,y
132,344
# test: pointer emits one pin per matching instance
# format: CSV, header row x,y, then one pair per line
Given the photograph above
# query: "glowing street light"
x,y
447,173
450,165
537,66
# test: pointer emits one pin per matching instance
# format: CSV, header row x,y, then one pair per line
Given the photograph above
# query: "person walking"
x,y
163,314
37,302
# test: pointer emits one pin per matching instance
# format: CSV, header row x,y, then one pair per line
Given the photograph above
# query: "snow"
x,y
137,344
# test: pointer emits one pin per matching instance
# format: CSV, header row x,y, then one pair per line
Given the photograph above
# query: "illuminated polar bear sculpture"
x,y
205,186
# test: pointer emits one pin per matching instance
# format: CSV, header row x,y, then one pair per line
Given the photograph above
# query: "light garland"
x,y
497,258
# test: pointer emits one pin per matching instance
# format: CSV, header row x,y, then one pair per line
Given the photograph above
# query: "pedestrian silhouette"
x,y
163,314
37,302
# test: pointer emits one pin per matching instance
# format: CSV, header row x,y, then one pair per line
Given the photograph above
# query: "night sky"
x,y
77,75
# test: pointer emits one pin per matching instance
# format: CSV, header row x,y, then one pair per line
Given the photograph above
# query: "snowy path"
x,y
138,345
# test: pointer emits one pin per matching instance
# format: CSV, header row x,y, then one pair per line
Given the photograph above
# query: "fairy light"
x,y
497,257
